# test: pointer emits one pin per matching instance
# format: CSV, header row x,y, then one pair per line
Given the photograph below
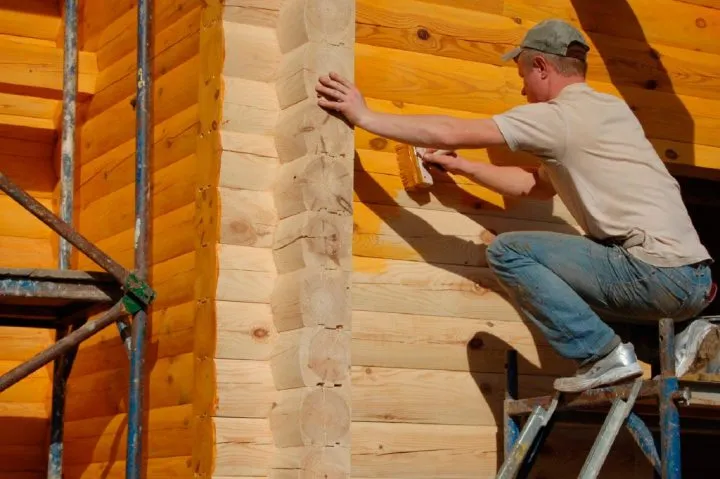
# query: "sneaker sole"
x,y
619,375
708,349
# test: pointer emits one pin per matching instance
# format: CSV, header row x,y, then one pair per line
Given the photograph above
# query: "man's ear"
x,y
541,65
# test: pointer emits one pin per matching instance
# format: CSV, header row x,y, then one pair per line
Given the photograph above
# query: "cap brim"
x,y
512,54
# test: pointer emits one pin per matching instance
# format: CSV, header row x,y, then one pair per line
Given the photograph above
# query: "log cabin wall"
x,y
430,326
283,311
181,271
30,92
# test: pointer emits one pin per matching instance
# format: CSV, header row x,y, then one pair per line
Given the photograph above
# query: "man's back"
x,y
607,173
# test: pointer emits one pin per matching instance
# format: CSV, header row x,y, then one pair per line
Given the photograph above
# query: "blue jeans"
x,y
574,289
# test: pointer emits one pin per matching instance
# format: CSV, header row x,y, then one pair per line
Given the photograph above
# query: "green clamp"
x,y
138,294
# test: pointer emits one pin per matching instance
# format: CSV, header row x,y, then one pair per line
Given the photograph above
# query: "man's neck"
x,y
562,82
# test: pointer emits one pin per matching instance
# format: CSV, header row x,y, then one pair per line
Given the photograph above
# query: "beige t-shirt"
x,y
607,173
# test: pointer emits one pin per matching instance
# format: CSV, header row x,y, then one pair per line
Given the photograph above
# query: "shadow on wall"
x,y
23,446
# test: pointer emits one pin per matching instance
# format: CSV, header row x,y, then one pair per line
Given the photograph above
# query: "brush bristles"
x,y
413,173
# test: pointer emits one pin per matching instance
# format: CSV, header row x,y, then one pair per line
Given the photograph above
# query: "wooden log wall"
x,y
32,79
283,312
430,326
178,363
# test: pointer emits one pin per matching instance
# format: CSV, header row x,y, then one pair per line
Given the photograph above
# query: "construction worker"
x,y
641,258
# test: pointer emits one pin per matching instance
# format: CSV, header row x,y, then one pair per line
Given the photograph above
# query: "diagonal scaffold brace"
x,y
138,295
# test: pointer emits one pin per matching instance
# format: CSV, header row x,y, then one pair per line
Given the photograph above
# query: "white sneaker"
x,y
697,347
619,365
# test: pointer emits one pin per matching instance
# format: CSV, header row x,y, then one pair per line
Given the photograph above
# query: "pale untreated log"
x,y
316,416
311,356
322,21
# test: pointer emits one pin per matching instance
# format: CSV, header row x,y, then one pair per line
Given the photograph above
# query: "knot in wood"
x,y
651,84
700,23
671,154
378,143
260,333
423,34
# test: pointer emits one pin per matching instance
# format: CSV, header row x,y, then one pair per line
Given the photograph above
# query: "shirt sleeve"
x,y
537,128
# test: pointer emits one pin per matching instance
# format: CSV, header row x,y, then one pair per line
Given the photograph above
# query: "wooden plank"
x,y
252,12
173,92
245,388
27,107
247,171
170,382
172,21
246,274
412,25
161,468
663,21
25,253
114,213
34,175
257,56
411,287
174,139
250,107
34,19
248,143
245,330
248,218
704,3
168,435
37,69
395,75
415,234
394,340
244,447
20,223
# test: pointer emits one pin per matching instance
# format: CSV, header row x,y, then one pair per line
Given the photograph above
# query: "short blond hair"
x,y
565,66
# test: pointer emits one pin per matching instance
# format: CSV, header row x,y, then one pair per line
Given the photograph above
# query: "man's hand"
x,y
342,96
447,160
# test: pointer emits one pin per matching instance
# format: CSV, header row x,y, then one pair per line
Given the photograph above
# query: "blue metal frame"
x,y
142,200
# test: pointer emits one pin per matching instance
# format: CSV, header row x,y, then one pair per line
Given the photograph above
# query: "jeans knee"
x,y
498,250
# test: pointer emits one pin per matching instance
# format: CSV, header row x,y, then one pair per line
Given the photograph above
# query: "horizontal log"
x,y
19,109
37,69
174,139
245,388
678,25
249,106
39,181
247,171
252,12
246,274
394,340
20,223
260,145
26,253
172,187
169,383
245,330
168,435
35,18
179,467
172,19
419,396
173,92
477,36
311,297
396,75
247,218
243,447
311,356
411,287
416,234
257,56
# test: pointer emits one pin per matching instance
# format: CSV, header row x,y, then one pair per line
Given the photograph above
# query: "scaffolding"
x,y
63,299
664,389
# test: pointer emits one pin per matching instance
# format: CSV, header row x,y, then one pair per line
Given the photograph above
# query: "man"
x,y
641,259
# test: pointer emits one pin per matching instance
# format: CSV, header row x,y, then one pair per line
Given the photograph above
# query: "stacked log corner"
x,y
310,420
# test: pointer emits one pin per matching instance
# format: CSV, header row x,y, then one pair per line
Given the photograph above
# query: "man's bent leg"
x,y
554,297
556,280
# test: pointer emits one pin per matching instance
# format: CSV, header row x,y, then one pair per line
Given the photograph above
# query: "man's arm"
x,y
506,180
432,131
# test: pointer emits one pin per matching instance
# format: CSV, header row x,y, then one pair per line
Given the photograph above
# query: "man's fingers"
x,y
332,105
334,84
338,78
330,92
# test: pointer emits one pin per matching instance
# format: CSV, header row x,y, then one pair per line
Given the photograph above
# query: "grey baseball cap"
x,y
553,36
